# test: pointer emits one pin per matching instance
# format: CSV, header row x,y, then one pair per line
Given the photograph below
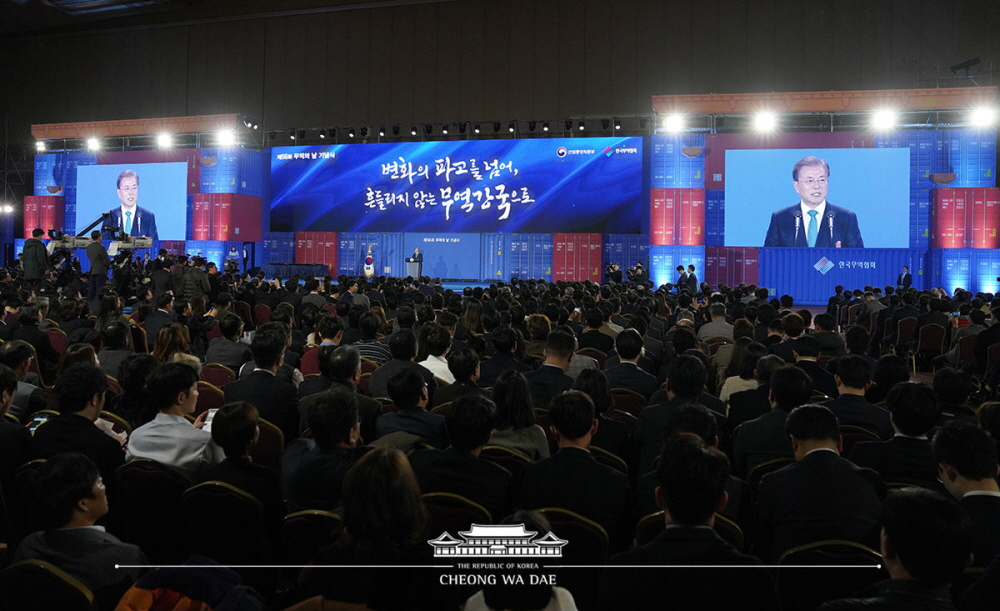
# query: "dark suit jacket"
x,y
546,382
97,254
429,427
649,429
985,514
830,343
378,384
478,480
314,478
760,440
822,496
901,459
73,433
257,480
275,399
155,320
857,411
896,595
227,352
491,368
593,338
451,392
904,280
844,228
748,404
634,588
822,380
143,224
628,375
784,349
573,479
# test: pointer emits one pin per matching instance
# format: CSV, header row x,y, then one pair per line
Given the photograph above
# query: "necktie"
x,y
813,229
128,223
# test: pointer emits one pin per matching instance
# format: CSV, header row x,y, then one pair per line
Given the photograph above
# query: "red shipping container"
x,y
693,205
661,217
577,256
227,216
983,217
731,265
677,217
945,220
222,216
43,211
201,217
317,247
174,247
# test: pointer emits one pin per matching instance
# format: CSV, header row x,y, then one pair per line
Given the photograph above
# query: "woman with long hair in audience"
x,y
173,344
199,323
385,523
745,380
134,403
76,354
611,435
515,427
472,316
384,326
111,311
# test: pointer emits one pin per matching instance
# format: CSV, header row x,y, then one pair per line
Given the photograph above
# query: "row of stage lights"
x,y
764,121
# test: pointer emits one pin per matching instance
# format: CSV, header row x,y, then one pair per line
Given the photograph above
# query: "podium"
x,y
413,268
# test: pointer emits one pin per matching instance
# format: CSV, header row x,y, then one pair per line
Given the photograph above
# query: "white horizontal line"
x,y
541,566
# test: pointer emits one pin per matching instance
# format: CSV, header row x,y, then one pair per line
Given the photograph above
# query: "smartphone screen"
x,y
208,420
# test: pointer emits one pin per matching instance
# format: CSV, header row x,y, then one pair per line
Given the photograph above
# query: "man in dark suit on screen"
x,y
905,279
129,216
813,221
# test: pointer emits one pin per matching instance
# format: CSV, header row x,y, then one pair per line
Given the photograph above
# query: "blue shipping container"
x,y
387,253
663,261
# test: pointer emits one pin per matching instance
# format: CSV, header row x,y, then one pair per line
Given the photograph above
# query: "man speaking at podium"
x,y
813,221
418,258
129,217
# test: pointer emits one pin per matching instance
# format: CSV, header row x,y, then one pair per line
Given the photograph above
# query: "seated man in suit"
x,y
813,221
408,392
806,352
463,363
749,404
169,438
69,498
907,457
313,470
627,374
592,336
792,327
764,438
550,379
967,465
275,399
572,478
853,379
821,495
15,440
926,543
403,346
684,385
228,350
459,469
692,488
162,315
830,342
28,399
504,342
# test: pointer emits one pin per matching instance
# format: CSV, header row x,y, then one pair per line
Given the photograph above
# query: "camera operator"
x,y
613,272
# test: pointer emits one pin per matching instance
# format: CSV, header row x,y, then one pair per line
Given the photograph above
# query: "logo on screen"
x,y
823,265
561,151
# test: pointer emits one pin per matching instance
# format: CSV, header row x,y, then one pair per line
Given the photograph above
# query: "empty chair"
x,y
36,584
150,505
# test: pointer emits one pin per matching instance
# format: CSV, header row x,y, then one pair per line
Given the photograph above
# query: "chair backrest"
x,y
114,386
244,312
368,366
992,357
210,396
309,363
262,313
214,332
36,584
609,459
628,400
442,409
589,539
217,374
34,368
904,330
807,588
270,446
225,523
118,424
648,527
57,337
22,519
761,469
365,384
509,459
851,434
730,531
966,351
626,418
303,533
139,338
931,338
387,405
595,354
150,504
453,513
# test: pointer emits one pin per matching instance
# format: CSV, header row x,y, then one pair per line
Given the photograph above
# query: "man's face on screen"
x,y
128,191
811,185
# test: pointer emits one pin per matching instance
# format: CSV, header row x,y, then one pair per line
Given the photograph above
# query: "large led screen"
x,y
860,196
155,193
485,186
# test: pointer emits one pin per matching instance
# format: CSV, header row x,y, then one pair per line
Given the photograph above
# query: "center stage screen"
x,y
580,185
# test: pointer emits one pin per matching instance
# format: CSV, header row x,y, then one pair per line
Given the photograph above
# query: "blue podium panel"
x,y
452,256
809,274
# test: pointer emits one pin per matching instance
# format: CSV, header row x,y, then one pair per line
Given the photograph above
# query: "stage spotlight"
x,y
413,130
428,128
291,134
545,126
568,125
765,121
272,134
8,209
350,132
164,141
884,120
642,122
444,129
226,137
511,127
302,134
93,144
395,130
496,127
582,125
462,127
618,123
673,122
984,116
605,123
40,146
255,126
476,128
364,132
322,134
381,131
531,126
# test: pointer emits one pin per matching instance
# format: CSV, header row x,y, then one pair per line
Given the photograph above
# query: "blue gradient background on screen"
x,y
162,191
872,183
594,192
